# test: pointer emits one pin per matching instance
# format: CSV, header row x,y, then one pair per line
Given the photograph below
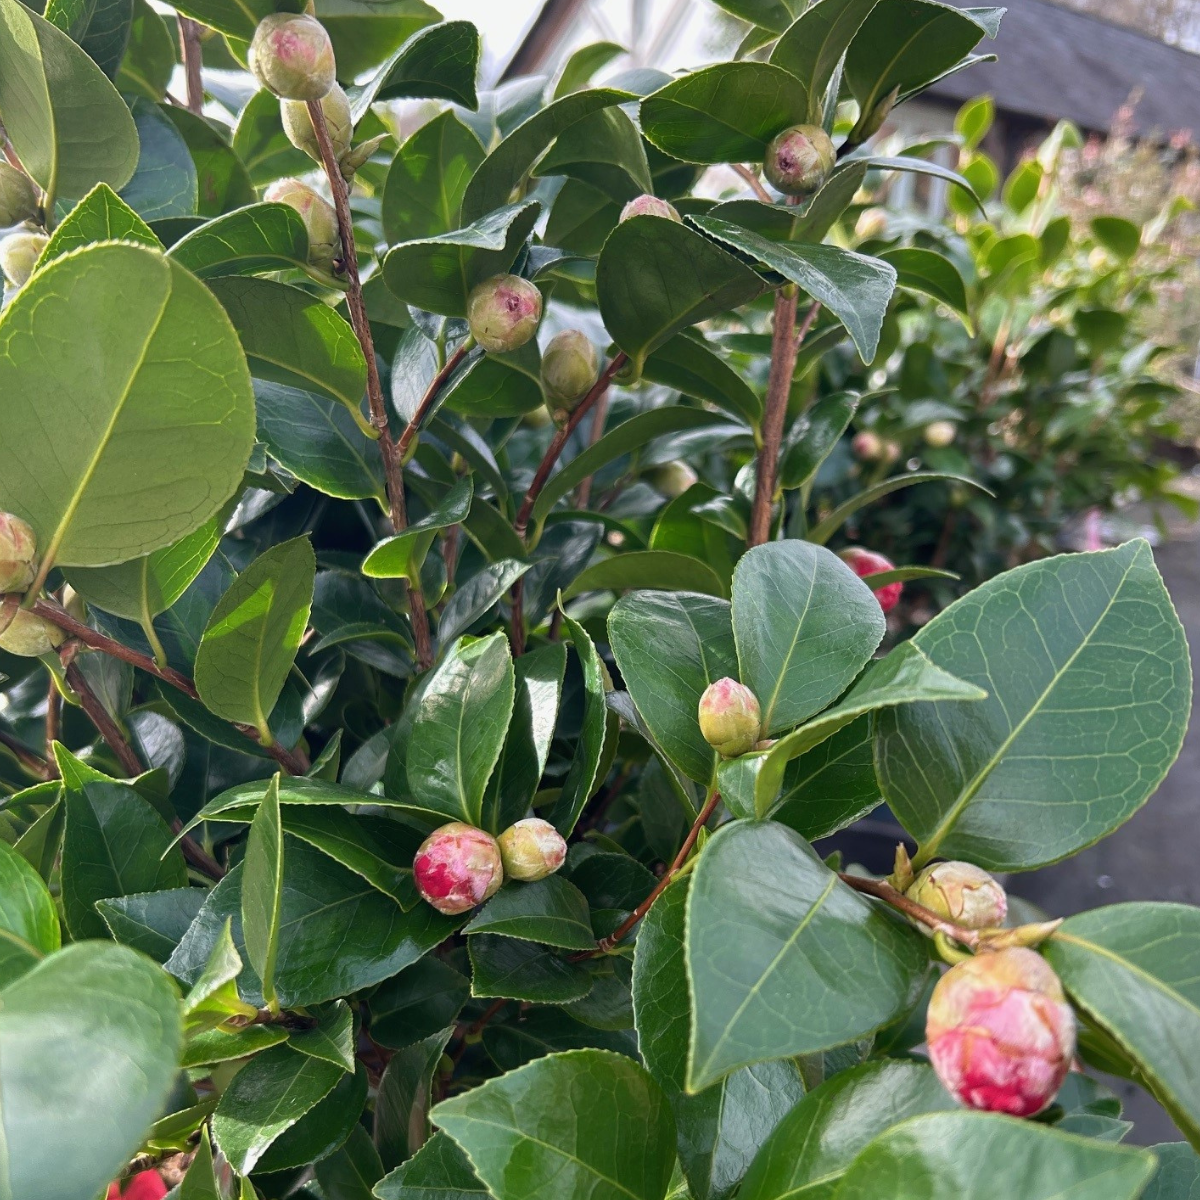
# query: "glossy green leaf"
x,y
584,775
337,933
352,1171
669,648
402,555
552,911
604,150
147,358
291,337
932,274
267,1097
811,48
656,278
149,59
499,385
238,18
805,625
783,957
459,728
164,184
67,123
90,1038
318,441
438,1171
101,216
28,921
262,889
809,1151
1048,763
438,273
772,15
855,288
724,113
583,64
686,364
520,970
427,179
813,437
417,1002
100,28
981,1156
1132,969
366,32
474,597
599,1127
439,62
250,641
648,569
114,844
260,143
253,240
222,181
721,1128
402,1105
152,922
1178,1174
322,1129
828,526
920,166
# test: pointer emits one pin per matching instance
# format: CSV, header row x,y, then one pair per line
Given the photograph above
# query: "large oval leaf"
x,y
147,385
90,1040
1089,686
258,238
1135,970
67,123
101,216
28,921
584,1123
984,1156
783,957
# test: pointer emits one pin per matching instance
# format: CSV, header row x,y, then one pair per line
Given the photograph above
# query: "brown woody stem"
x,y
393,459
884,891
614,938
31,762
189,43
753,180
599,416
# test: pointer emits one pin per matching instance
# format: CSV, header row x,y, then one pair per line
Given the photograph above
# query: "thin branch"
x,y
393,461
614,938
884,891
540,477
753,180
31,762
785,346
427,401
289,761
189,42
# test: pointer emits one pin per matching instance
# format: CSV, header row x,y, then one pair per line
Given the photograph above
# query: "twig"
x,y
393,462
884,891
614,938
33,763
189,43
753,180
59,616
427,401
541,475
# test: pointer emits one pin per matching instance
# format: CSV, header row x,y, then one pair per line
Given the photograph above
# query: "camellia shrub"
x,y
410,767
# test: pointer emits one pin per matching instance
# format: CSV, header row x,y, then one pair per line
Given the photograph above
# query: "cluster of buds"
x,y
730,718
21,632
799,160
569,367
1000,1033
868,446
320,221
865,563
650,206
291,55
458,866
503,313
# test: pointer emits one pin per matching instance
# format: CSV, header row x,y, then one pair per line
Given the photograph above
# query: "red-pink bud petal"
x,y
457,867
292,56
865,563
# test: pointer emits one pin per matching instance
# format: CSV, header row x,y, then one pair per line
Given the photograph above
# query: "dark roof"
x,y
1056,63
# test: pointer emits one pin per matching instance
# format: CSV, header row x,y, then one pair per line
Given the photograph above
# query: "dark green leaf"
x,y
164,184
813,437
415,1004
260,143
1178,1175
604,150
262,889
438,1171
152,922
686,364
648,569
261,238
551,911
351,1172
322,1129
101,216
932,274
402,1106
149,56
518,970
28,921
402,555
438,62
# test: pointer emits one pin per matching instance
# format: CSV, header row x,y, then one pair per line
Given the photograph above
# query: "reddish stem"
x,y
882,890
193,53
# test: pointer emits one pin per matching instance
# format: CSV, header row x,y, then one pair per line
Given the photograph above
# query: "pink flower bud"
x,y
865,563
503,313
867,446
730,719
18,554
18,200
319,217
458,867
532,849
799,159
1000,1033
650,206
292,56
19,253
569,366
298,126
28,635
963,893
940,433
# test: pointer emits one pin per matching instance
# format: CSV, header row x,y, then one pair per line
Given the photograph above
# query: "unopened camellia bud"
x,y
569,366
19,253
871,223
867,446
963,893
866,562
292,56
730,719
799,159
18,554
940,433
1001,1036
30,635
298,126
458,867
320,220
650,206
672,479
532,849
18,197
503,313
